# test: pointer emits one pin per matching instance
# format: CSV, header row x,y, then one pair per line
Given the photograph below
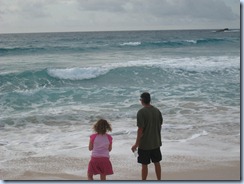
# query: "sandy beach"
x,y
57,168
178,163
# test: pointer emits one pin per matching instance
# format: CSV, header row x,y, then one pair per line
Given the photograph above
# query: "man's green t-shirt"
x,y
150,119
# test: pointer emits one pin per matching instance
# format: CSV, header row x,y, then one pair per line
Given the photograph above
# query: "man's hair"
x,y
146,98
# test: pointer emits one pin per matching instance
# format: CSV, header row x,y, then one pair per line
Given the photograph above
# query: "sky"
x,y
25,16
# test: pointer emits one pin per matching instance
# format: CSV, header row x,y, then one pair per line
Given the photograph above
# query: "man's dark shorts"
x,y
146,156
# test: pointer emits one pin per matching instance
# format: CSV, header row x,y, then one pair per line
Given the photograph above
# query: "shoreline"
x,y
127,170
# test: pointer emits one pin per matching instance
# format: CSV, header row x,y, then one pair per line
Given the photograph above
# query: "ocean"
x,y
55,86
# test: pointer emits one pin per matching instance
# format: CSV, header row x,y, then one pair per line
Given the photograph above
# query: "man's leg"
x,y
144,172
158,170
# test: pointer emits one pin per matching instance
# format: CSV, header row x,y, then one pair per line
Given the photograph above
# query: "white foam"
x,y
191,41
77,73
131,43
182,127
28,92
194,136
204,63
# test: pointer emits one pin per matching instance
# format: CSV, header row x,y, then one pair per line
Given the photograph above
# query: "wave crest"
x,y
130,44
77,73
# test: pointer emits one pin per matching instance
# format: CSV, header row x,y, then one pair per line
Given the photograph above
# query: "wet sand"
x,y
61,168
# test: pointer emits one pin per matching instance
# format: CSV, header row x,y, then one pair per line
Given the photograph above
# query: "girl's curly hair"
x,y
102,126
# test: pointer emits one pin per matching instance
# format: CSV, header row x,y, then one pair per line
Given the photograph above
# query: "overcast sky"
x,y
106,15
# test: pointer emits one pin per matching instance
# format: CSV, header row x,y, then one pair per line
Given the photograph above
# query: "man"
x,y
148,141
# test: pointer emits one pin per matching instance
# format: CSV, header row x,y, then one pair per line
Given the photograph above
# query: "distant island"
x,y
222,30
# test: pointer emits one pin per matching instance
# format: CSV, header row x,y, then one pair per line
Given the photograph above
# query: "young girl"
x,y
100,144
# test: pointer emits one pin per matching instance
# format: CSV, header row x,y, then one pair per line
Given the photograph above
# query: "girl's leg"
x,y
102,177
90,176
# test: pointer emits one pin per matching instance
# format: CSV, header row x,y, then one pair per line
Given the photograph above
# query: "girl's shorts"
x,y
101,165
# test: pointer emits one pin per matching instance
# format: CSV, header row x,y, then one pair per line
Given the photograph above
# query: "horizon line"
x,y
118,30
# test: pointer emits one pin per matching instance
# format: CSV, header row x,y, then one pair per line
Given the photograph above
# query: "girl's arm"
x,y
110,147
110,142
92,138
90,145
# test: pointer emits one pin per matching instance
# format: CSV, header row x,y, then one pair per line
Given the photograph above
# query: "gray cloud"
x,y
212,9
85,15
34,9
104,5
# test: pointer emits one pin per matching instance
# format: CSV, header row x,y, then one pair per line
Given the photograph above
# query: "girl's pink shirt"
x,y
100,145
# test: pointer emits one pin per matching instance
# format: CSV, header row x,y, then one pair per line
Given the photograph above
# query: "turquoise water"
x,y
58,84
